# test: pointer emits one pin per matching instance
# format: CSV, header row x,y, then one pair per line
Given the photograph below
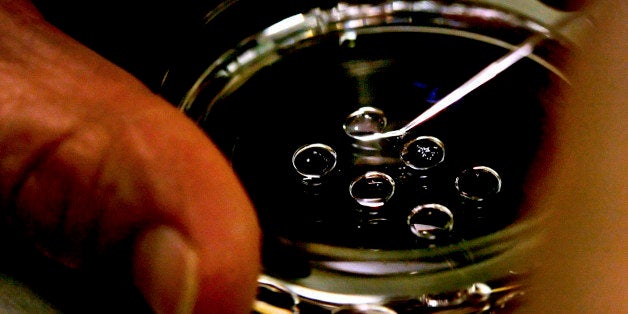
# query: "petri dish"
x,y
395,224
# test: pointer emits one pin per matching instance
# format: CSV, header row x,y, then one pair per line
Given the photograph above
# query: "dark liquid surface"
x,y
305,98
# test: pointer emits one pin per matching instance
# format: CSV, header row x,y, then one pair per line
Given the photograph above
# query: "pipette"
x,y
486,74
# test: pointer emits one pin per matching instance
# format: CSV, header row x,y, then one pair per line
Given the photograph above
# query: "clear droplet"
x,y
478,292
314,160
443,300
424,152
429,220
478,183
372,189
365,121
348,39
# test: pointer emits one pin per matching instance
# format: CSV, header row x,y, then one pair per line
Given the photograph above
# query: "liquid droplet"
x,y
478,183
365,121
443,300
479,292
427,221
372,189
348,39
423,153
314,160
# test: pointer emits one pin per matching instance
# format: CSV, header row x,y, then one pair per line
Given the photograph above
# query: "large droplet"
x,y
372,189
365,121
423,152
314,160
478,183
429,220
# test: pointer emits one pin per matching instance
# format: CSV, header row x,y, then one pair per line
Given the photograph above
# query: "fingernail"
x,y
165,270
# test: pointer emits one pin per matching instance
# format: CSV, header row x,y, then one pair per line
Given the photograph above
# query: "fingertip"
x,y
175,276
165,270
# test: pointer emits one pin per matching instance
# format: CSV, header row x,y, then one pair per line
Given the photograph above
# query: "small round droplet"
x,y
365,121
424,152
427,221
478,292
348,39
314,160
478,183
372,189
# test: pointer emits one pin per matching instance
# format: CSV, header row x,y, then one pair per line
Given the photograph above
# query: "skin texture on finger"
x,y
89,157
583,256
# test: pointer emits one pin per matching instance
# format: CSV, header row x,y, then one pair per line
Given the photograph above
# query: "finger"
x,y
90,158
584,188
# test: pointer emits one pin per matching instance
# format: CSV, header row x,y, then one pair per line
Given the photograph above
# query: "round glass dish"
x,y
434,220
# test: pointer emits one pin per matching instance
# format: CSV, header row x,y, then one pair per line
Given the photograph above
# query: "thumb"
x,y
91,160
165,269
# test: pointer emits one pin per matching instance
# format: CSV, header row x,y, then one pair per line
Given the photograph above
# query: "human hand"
x,y
583,183
83,138
95,167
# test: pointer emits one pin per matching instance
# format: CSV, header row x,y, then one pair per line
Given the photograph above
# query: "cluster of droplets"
x,y
475,298
372,189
